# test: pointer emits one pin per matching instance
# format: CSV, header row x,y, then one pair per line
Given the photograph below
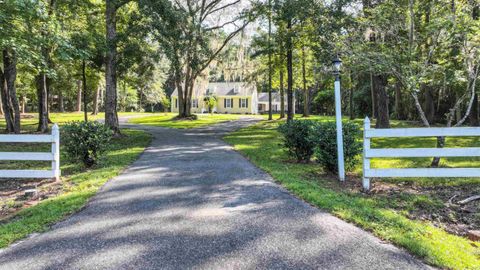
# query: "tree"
x,y
422,46
10,105
43,81
270,64
111,116
15,15
288,14
192,38
210,102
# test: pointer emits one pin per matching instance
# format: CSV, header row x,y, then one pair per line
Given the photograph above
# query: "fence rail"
x,y
53,156
369,153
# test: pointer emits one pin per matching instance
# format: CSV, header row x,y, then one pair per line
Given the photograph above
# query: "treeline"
x,y
407,60
112,55
55,53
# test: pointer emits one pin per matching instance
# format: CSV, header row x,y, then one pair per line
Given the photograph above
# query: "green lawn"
x,y
168,120
384,215
78,184
29,125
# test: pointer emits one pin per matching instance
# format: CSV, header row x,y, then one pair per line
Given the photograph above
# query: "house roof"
x,y
223,89
263,97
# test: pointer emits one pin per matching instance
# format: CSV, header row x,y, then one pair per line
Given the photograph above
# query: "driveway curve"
x,y
191,202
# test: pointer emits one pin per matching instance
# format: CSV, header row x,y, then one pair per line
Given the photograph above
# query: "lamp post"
x,y
337,64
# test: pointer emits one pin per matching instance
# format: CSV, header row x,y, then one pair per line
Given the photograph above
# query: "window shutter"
x,y
224,102
231,103
246,100
239,103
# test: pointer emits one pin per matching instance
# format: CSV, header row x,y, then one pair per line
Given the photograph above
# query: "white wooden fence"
x,y
369,153
53,156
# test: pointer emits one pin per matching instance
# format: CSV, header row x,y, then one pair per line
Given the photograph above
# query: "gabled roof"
x,y
223,89
263,97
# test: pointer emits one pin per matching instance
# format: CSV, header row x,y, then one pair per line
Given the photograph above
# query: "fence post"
x,y
366,161
56,152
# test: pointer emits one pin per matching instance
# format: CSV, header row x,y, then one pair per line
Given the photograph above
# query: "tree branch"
x,y
220,8
472,97
222,25
225,42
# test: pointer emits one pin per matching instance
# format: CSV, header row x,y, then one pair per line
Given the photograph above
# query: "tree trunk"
x,y
398,102
373,96
429,104
282,94
383,117
184,111
95,100
474,121
270,68
289,48
270,115
111,117
179,86
44,77
49,98
440,144
188,101
41,81
306,101
474,118
79,96
2,81
61,102
84,83
9,93
23,104
7,113
350,96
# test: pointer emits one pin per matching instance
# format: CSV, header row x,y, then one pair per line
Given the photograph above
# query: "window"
x,y
243,103
194,103
228,103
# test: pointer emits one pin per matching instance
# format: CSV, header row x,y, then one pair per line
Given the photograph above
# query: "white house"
x,y
232,97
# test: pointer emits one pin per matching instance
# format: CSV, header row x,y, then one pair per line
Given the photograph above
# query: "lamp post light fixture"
x,y
337,65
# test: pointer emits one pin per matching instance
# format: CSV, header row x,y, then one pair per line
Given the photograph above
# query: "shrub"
x,y
85,141
297,139
324,136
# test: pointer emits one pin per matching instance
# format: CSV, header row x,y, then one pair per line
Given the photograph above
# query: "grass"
x,y
78,184
29,125
385,216
419,142
168,120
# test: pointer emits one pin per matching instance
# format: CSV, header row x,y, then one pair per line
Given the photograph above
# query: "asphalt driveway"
x,y
191,202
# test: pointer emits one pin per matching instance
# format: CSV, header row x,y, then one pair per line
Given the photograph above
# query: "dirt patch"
x,y
454,216
188,118
16,194
438,205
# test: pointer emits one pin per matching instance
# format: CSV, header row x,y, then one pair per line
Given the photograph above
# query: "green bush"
x,y
85,141
297,139
324,137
